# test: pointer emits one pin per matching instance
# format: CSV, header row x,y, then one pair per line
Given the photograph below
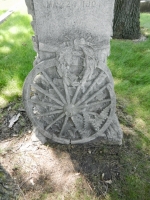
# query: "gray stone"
x,y
37,136
69,94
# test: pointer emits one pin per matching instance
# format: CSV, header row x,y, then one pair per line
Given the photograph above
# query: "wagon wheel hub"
x,y
70,110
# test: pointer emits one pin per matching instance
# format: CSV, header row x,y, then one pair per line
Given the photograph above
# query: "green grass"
x,y
145,23
16,56
2,12
130,65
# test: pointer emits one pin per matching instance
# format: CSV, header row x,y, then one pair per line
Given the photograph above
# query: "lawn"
x,y
2,12
16,56
130,66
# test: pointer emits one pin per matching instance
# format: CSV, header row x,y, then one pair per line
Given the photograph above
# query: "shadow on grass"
x,y
129,64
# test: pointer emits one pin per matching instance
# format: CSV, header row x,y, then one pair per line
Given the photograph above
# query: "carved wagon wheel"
x,y
70,98
68,109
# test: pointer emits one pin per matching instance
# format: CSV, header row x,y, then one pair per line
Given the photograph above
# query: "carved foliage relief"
x,y
70,97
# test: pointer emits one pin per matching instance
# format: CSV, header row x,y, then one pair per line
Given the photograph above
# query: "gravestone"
x,y
69,94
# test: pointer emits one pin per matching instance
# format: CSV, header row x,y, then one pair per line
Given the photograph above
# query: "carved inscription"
x,y
91,5
66,4
74,18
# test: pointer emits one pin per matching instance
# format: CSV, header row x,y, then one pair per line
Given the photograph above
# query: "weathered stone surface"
x,y
37,137
69,95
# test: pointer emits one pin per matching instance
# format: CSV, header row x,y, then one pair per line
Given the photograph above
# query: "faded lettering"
x,y
72,4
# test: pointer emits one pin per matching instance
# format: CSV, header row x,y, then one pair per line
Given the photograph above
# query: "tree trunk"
x,y
126,19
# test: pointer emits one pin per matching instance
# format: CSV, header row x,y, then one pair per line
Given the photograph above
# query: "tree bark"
x,y
126,23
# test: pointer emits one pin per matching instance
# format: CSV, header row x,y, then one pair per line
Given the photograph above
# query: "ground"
x,y
29,169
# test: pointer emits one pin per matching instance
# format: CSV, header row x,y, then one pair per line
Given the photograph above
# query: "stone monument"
x,y
69,94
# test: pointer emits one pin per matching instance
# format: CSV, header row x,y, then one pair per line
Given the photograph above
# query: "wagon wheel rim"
x,y
52,114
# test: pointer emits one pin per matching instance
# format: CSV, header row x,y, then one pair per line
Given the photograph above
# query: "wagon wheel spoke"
x,y
54,87
92,97
46,94
102,76
95,103
50,113
57,119
43,104
64,125
67,92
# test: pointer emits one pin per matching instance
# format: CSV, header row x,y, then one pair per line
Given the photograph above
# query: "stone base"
x,y
112,136
38,137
